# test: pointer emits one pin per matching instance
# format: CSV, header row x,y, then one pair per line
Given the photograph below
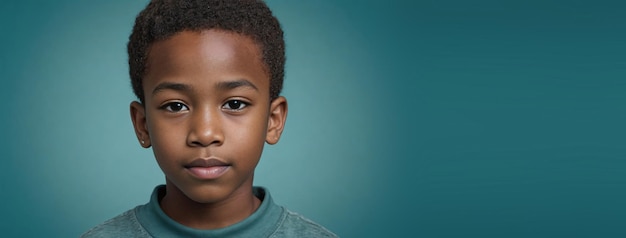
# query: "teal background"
x,y
407,118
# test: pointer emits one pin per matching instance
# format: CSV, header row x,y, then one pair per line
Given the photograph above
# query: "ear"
x,y
138,116
277,118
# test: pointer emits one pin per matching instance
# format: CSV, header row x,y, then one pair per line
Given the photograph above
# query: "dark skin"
x,y
207,99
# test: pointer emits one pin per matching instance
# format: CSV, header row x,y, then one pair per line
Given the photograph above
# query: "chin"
x,y
207,194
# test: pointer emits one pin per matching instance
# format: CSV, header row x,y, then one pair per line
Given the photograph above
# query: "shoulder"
x,y
296,225
123,225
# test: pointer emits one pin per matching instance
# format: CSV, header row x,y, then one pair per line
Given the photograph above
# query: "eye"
x,y
174,107
235,105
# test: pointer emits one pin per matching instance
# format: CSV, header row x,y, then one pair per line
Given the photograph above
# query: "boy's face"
x,y
207,112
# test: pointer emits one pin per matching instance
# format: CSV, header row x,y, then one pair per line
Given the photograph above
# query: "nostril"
x,y
196,143
205,134
200,143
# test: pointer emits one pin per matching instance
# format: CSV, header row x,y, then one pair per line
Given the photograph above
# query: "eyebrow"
x,y
172,86
228,85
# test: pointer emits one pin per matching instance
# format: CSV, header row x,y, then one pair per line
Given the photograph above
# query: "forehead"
x,y
206,56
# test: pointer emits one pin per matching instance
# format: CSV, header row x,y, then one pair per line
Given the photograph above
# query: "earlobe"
x,y
276,120
138,116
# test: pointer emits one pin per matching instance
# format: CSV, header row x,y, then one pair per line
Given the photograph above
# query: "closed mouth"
x,y
205,163
207,169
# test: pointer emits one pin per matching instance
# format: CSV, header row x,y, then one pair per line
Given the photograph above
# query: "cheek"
x,y
166,138
248,132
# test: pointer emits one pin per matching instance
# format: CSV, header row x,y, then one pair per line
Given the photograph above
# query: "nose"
x,y
205,129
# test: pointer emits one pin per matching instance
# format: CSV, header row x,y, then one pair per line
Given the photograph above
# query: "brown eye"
x,y
174,107
235,105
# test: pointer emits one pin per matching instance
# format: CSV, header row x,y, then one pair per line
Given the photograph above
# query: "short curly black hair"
x,y
162,19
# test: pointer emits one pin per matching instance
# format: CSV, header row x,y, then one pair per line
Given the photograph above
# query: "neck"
x,y
241,204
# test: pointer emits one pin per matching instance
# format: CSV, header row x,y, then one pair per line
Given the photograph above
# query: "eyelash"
x,y
168,106
227,106
242,105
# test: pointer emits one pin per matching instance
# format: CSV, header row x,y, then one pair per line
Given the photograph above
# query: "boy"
x,y
208,76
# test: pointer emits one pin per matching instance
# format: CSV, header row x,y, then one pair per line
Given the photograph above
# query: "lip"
x,y
207,168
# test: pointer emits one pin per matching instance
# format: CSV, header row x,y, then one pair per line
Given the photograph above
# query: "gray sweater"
x,y
269,220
